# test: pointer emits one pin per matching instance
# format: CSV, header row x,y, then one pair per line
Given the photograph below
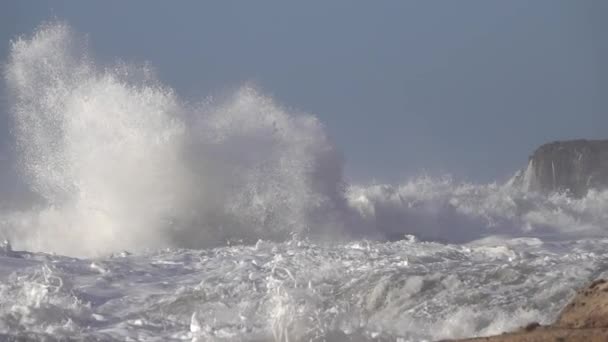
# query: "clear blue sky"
x,y
464,87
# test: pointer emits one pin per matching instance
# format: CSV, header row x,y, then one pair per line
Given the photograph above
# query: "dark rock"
x,y
532,326
573,166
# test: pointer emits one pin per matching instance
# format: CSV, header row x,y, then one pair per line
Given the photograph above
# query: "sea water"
x,y
148,217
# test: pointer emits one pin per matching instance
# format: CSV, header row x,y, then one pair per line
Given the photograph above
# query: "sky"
x,y
468,88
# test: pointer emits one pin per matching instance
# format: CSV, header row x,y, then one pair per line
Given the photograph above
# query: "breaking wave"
x,y
118,161
449,211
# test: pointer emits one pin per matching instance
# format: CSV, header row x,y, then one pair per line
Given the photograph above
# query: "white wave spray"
x,y
119,162
448,211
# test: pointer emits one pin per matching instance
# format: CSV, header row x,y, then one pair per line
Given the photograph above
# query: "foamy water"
x,y
242,226
297,291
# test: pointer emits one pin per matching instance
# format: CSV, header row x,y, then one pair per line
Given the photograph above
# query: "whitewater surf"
x,y
155,218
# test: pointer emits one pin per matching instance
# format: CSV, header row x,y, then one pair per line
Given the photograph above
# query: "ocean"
x,y
152,218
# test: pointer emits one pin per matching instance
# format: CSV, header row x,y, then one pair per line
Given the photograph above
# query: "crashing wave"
x,y
119,161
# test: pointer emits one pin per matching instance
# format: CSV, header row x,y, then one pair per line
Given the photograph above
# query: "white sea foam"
x,y
297,291
449,211
282,248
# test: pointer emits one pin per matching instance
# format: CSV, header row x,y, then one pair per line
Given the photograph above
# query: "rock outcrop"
x,y
573,166
585,318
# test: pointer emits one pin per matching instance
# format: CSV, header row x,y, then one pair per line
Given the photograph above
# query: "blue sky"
x,y
466,87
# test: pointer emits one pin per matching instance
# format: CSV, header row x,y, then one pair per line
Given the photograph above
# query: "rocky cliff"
x,y
573,166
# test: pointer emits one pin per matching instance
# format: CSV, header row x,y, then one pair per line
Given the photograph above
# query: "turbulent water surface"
x,y
297,291
147,217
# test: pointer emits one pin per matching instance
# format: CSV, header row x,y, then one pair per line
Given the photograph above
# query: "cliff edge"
x,y
573,166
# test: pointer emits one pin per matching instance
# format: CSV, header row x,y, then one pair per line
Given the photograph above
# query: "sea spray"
x,y
120,162
443,209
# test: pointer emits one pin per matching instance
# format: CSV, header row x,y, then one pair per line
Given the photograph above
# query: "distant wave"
x,y
445,210
120,162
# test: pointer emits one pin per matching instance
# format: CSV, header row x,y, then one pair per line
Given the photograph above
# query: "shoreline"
x,y
584,318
